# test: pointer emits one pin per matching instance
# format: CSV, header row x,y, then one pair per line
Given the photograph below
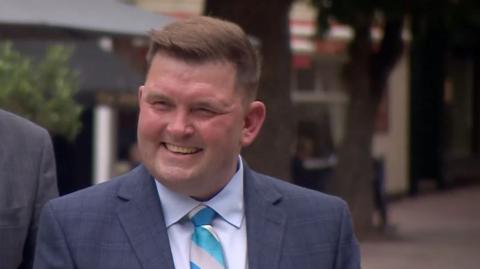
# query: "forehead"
x,y
163,65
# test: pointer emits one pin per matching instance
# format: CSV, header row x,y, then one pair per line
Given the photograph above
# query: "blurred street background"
x,y
377,102
438,230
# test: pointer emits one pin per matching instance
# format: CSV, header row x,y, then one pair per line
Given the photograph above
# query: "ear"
x,y
141,90
253,122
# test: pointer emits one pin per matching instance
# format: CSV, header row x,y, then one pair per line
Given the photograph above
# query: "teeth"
x,y
179,149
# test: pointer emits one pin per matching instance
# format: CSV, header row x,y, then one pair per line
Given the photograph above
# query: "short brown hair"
x,y
202,39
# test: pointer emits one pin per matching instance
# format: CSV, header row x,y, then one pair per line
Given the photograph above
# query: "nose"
x,y
180,125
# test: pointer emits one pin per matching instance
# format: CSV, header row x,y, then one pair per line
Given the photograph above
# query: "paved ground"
x,y
438,230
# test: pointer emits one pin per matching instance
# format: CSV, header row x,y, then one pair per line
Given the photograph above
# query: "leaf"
x,y
43,91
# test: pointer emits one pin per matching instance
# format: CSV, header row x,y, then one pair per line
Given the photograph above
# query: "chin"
x,y
173,175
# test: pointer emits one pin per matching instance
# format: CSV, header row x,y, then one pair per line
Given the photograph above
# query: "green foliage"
x,y
461,16
41,91
463,23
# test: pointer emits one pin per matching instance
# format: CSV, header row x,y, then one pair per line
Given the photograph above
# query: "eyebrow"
x,y
217,104
155,95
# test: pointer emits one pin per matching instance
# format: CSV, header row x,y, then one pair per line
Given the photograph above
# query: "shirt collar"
x,y
228,203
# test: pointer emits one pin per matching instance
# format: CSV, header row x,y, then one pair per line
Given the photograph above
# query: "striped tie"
x,y
206,250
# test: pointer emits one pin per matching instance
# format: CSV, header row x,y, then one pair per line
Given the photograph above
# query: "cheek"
x,y
222,131
149,124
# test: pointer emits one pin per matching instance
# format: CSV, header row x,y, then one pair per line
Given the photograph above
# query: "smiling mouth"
x,y
181,150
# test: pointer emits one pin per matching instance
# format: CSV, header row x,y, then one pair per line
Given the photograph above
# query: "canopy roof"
x,y
103,16
97,70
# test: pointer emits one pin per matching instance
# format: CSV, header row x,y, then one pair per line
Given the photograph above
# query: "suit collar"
x,y
228,203
141,216
142,219
265,221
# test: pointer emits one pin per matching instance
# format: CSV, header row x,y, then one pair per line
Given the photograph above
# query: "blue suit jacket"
x,y
119,224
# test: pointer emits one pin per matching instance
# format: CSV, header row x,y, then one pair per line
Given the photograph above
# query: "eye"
x,y
204,111
161,104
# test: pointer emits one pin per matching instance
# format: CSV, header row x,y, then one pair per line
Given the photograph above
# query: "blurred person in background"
x,y
380,197
308,170
194,202
27,181
132,161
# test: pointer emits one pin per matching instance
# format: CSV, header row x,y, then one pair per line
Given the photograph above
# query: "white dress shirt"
x,y
230,226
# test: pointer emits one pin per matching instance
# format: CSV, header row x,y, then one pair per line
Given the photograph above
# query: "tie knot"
x,y
202,215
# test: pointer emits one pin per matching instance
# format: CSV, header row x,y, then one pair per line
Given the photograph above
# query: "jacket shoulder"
x,y
16,125
97,198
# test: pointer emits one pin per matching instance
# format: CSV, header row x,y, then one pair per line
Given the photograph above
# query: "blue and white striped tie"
x,y
205,251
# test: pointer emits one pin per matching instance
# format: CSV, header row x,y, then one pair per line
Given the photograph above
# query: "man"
x,y
27,181
194,203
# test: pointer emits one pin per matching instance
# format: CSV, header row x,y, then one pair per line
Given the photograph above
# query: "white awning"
x,y
104,16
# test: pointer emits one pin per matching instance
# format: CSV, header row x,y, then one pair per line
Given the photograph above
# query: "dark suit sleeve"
x,y
52,250
46,190
348,253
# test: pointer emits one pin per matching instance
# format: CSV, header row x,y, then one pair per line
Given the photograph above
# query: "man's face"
x,y
193,123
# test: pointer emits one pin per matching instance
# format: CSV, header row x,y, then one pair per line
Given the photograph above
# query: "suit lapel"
x,y
265,222
142,219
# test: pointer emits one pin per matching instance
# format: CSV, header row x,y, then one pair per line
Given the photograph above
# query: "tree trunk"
x,y
428,54
366,78
268,21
